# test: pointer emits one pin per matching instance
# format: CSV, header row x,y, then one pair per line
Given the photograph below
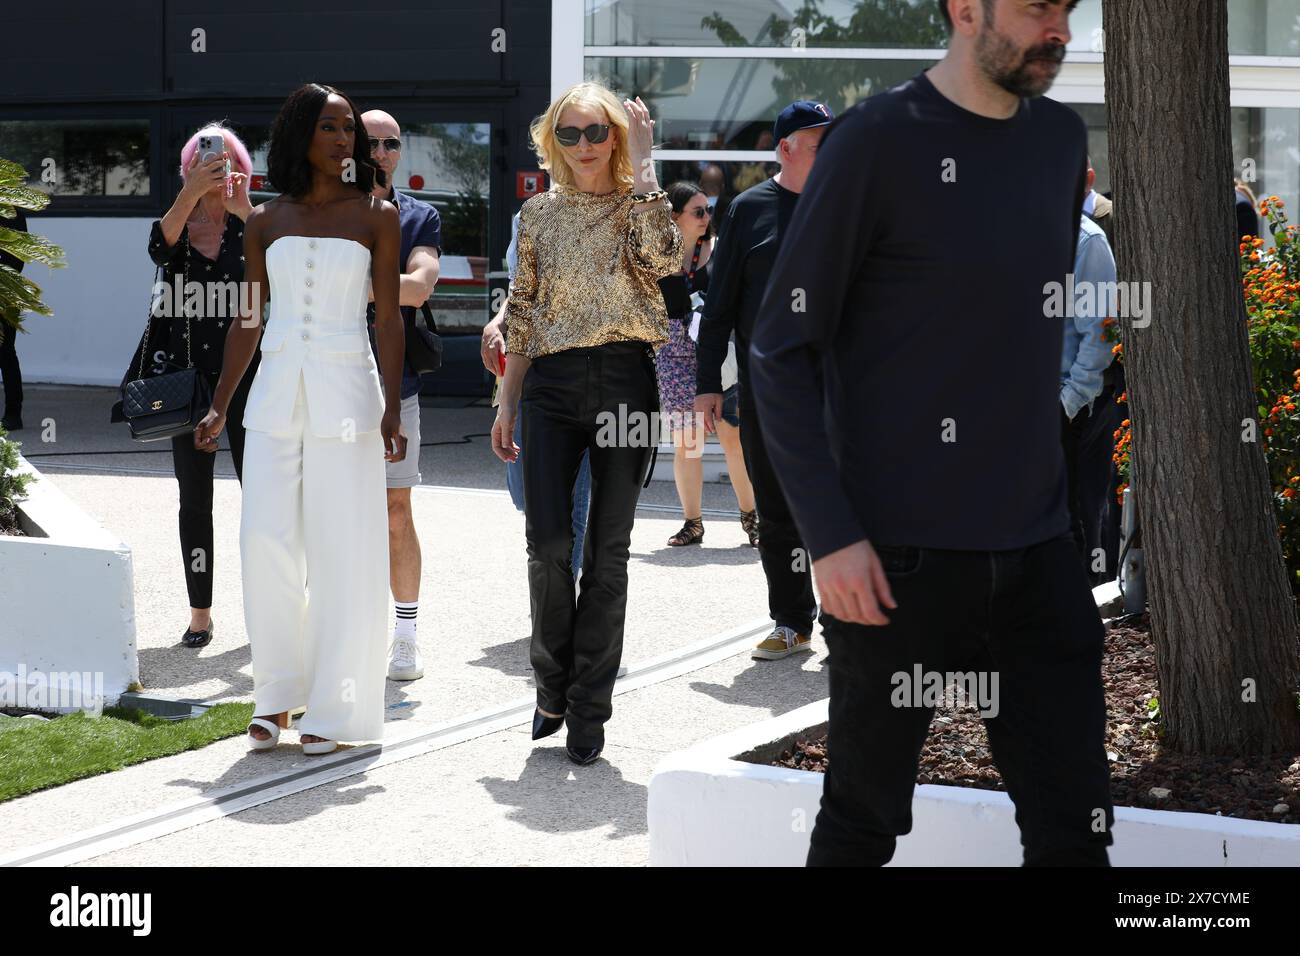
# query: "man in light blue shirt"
x,y
1085,356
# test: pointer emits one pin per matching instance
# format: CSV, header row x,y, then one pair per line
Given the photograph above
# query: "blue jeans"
x,y
581,494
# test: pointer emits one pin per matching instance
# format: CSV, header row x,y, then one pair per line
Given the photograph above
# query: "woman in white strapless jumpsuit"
x,y
313,536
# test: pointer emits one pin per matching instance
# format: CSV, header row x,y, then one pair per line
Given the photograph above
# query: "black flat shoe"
x,y
544,726
583,755
198,638
12,423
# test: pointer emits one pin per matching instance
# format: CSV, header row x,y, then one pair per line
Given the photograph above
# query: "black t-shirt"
x,y
749,238
677,289
209,331
905,367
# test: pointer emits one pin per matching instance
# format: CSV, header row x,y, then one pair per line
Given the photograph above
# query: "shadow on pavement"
x,y
552,795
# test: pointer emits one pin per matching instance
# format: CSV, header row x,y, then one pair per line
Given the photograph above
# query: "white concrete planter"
x,y
709,807
67,607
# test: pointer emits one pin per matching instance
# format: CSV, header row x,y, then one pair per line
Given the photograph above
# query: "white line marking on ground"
x,y
400,744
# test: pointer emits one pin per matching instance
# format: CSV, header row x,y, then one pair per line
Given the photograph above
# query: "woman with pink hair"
x,y
201,239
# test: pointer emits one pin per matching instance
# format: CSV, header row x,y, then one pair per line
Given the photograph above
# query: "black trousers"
x,y
1026,616
1089,444
11,373
571,401
1098,477
787,567
1071,432
194,471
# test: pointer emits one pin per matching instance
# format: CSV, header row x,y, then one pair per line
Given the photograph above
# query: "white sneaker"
x,y
404,660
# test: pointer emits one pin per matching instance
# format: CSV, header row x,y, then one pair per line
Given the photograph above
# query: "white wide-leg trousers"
x,y
313,540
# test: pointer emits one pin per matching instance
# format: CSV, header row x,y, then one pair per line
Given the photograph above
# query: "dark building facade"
x,y
96,101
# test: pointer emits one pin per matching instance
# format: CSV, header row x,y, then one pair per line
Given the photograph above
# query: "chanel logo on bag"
x,y
157,405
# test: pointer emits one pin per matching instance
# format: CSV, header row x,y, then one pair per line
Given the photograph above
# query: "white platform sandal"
x,y
318,747
271,727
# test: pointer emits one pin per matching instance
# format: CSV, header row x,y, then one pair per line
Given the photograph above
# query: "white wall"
x,y
100,301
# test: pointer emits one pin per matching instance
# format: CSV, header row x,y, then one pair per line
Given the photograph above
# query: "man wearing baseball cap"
x,y
748,246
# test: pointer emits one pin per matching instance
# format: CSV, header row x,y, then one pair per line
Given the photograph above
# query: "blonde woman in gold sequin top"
x,y
583,319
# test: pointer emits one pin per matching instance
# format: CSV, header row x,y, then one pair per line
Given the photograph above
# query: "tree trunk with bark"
x,y
1222,613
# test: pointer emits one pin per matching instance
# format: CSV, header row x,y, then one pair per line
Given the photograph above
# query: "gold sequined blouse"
x,y
588,271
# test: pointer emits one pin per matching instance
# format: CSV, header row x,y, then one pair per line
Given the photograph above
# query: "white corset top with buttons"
x,y
318,287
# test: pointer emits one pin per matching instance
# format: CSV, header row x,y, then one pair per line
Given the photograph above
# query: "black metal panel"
x,y
75,49
256,47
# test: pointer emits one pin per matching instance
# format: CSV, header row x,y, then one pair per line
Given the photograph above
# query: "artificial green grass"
x,y
36,755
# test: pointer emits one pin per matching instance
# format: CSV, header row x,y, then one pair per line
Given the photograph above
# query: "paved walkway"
x,y
496,798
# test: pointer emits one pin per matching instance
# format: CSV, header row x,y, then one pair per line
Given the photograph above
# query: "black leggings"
x,y
194,471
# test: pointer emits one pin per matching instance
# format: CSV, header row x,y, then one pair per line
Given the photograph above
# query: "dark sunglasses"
x,y
392,143
699,212
569,135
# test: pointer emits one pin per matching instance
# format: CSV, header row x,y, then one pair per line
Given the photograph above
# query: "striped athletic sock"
x,y
405,626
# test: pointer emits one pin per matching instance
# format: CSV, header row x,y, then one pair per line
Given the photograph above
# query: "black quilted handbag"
x,y
165,405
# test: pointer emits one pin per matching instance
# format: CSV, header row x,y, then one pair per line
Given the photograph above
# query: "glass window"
x,y
1270,140
1094,116
447,165
81,157
766,23
710,103
886,24
1265,146
1264,27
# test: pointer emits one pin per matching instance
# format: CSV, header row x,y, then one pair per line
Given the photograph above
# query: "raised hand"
x,y
640,142
200,178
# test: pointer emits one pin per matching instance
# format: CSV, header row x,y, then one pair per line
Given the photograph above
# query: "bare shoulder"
x,y
380,216
380,210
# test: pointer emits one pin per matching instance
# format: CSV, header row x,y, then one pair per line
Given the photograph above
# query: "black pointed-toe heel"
x,y
544,726
583,755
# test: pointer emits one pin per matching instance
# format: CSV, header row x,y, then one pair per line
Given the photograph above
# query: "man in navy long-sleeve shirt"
x,y
749,244
907,372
